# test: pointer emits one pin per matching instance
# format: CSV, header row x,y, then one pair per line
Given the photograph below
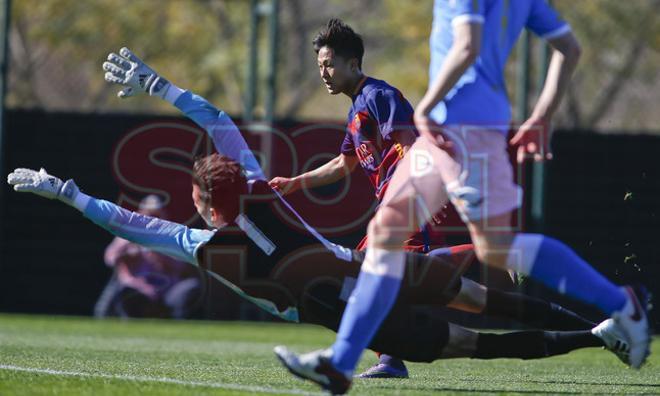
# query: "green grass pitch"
x,y
81,356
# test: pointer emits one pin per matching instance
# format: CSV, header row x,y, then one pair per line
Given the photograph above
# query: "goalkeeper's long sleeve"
x,y
222,130
173,239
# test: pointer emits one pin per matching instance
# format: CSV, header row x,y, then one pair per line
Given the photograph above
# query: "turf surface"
x,y
73,356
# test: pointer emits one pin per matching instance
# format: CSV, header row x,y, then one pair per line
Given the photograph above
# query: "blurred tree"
x,y
57,47
620,43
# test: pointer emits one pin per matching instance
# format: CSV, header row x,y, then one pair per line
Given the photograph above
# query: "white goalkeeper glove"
x,y
41,183
128,70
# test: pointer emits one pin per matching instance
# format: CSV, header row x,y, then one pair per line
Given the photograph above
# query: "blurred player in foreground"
x,y
466,161
288,269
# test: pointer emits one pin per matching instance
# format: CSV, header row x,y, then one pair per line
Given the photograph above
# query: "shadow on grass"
x,y
593,383
513,391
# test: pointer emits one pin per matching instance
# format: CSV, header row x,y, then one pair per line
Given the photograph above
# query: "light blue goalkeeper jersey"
x,y
177,240
480,96
226,137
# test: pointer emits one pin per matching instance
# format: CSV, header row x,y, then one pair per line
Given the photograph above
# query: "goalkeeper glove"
x,y
41,183
128,70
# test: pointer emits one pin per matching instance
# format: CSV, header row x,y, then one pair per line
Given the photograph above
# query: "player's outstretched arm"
x,y
333,170
172,239
135,76
226,137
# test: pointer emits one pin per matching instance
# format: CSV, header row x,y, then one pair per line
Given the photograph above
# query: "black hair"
x,y
342,39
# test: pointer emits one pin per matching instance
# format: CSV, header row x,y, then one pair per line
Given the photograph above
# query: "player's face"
x,y
336,72
202,207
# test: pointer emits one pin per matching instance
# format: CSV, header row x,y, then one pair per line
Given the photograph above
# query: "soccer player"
x,y
379,126
464,160
379,131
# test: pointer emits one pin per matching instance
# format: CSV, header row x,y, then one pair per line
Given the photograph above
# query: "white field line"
x,y
219,385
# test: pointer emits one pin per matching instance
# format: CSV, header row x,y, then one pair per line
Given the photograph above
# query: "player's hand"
x,y
439,217
128,70
432,131
41,183
533,140
284,185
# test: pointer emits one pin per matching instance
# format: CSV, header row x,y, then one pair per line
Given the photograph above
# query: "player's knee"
x,y
384,235
471,297
492,254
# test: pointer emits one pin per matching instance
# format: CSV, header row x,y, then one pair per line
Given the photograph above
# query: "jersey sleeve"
x,y
545,21
222,130
172,239
389,109
463,11
347,146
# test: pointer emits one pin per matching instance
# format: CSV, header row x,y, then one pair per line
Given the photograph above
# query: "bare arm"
x,y
534,135
464,51
333,170
565,56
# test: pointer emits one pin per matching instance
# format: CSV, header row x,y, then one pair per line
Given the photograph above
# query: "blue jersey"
x,y
480,96
378,110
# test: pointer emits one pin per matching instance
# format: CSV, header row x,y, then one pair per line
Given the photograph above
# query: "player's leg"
x,y
437,280
105,305
545,259
557,266
533,312
538,256
530,311
422,242
425,336
414,333
473,297
462,256
399,215
183,297
388,366
433,338
382,270
534,344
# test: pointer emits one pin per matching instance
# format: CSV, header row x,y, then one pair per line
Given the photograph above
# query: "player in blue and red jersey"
x,y
379,131
379,126
378,108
